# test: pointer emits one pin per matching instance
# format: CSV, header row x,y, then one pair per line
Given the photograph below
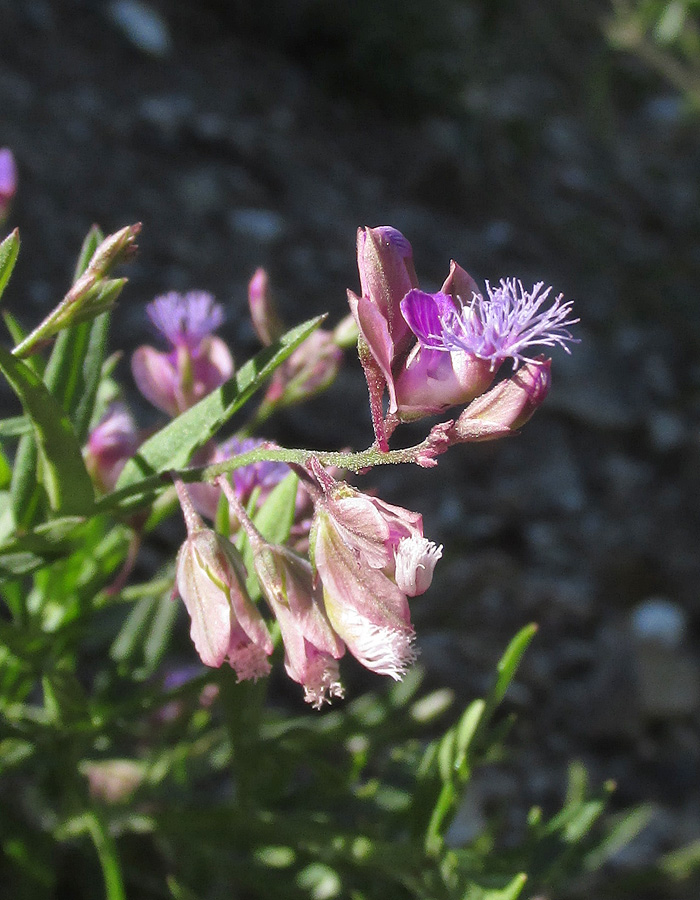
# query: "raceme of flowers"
x,y
343,579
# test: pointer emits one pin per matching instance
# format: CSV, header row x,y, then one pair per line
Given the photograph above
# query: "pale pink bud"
x,y
310,369
210,578
110,444
416,559
263,312
507,406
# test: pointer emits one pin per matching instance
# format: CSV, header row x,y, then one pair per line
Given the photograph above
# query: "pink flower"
x,y
210,578
8,181
311,647
197,362
110,444
369,556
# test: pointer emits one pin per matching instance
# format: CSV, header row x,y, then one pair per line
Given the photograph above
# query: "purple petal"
x,y
185,320
424,314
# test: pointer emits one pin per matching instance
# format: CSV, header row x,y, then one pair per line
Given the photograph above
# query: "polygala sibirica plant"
x,y
366,558
115,728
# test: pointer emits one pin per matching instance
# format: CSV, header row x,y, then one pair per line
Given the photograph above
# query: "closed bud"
x,y
210,578
507,406
266,320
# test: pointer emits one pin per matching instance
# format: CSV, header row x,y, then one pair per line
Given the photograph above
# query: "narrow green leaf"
x,y
172,446
25,493
467,729
65,478
508,665
275,517
15,426
5,472
510,892
91,242
90,376
9,249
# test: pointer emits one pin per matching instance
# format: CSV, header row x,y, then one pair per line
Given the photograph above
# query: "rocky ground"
x,y
560,162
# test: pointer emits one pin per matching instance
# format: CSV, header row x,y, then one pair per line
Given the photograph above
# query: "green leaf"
x,y
508,665
15,426
9,249
65,477
172,446
5,472
26,494
275,517
91,242
510,892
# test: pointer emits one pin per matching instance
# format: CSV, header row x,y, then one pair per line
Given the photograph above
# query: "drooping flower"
x,y
493,329
369,556
110,444
311,646
197,363
211,578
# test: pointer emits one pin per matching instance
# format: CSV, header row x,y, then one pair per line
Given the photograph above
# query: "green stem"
x,y
108,856
353,462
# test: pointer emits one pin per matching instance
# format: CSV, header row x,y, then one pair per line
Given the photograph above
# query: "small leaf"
x,y
64,474
510,892
508,665
9,249
172,446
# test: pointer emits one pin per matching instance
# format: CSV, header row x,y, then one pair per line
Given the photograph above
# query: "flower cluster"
x,y
430,352
344,577
367,558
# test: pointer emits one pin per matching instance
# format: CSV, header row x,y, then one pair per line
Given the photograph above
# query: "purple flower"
x,y
185,319
494,329
110,444
8,180
197,363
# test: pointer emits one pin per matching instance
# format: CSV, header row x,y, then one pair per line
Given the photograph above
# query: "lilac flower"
x,y
197,362
369,556
494,329
185,320
263,313
210,578
110,444
311,646
8,181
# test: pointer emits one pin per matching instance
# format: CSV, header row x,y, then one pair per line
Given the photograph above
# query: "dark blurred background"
x,y
554,140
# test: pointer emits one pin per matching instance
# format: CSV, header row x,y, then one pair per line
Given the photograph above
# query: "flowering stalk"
x,y
311,646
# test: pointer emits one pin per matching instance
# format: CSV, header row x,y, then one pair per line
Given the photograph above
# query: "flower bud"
x,y
110,444
508,405
263,312
385,263
8,181
311,647
210,578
